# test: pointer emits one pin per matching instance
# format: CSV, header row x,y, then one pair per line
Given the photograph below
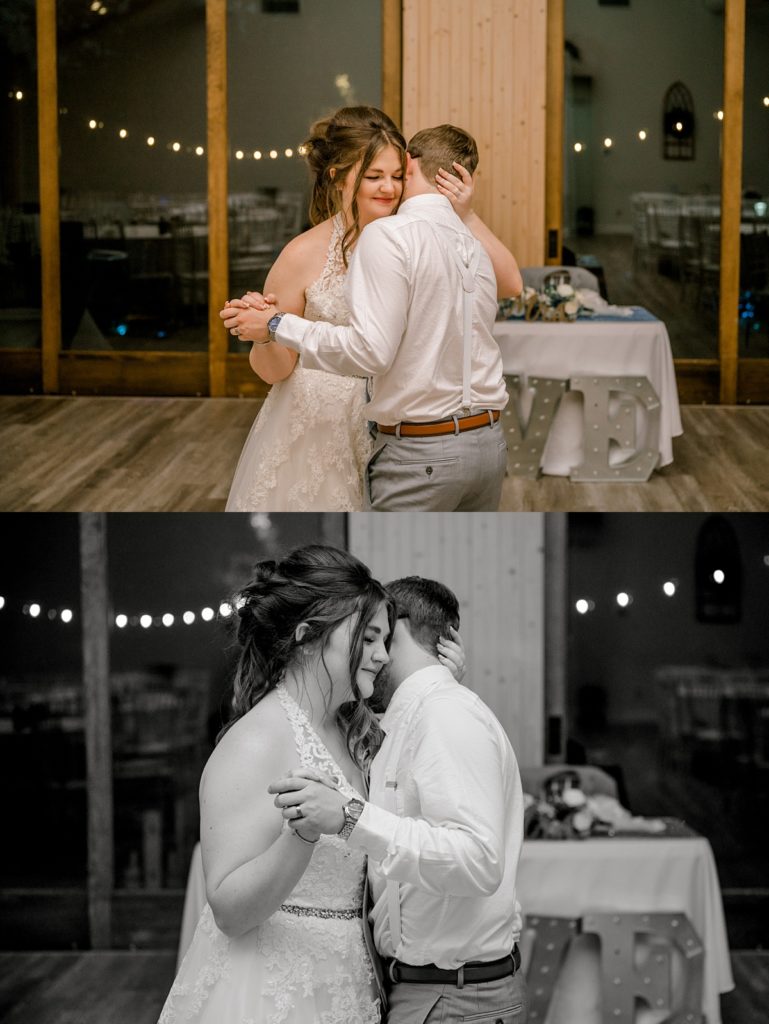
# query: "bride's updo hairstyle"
x,y
320,586
335,145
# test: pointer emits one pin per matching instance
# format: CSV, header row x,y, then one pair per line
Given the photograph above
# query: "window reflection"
x,y
133,175
19,197
647,224
754,230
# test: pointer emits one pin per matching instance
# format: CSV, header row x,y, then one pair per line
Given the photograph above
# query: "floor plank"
x,y
71,454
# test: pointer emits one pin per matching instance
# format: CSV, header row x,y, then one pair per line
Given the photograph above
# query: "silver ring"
x,y
298,813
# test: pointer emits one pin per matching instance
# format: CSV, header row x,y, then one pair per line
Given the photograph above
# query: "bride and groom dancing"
x,y
413,312
290,828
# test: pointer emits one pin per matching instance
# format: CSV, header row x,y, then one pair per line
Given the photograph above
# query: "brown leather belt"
x,y
470,974
433,428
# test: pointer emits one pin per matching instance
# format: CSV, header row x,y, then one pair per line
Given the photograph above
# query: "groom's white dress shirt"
x,y
406,328
443,827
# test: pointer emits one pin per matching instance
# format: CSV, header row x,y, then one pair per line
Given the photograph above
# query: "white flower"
x,y
573,797
572,307
565,290
528,292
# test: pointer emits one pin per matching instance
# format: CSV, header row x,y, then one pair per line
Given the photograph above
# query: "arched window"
x,y
678,123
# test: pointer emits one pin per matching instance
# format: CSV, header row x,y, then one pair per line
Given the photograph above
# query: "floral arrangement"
x,y
556,302
563,811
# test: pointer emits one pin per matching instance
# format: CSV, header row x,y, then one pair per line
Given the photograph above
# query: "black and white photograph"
x,y
520,763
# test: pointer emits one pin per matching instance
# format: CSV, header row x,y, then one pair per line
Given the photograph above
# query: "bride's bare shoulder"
x,y
309,248
255,744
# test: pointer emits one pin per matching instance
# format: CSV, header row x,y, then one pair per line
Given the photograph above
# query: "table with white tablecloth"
x,y
643,874
635,346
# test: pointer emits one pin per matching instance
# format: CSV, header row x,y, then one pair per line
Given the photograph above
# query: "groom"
x,y
424,298
442,828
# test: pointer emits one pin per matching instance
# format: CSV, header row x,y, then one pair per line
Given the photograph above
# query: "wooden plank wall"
x,y
482,64
495,564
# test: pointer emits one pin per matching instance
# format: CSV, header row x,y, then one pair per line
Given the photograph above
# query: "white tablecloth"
x,y
606,348
567,878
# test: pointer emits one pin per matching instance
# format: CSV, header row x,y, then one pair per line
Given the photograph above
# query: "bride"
x,y
280,940
309,445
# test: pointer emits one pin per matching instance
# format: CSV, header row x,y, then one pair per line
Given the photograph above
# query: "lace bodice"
x,y
309,446
325,298
334,877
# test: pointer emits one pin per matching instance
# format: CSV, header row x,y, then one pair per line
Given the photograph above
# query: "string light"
x,y
719,115
150,140
207,614
145,621
623,599
718,576
2,603
239,154
121,621
578,147
289,153
642,135
199,150
257,154
176,146
66,615
766,101
123,133
18,95
273,154
607,143
34,610
669,588
188,618
225,609
92,124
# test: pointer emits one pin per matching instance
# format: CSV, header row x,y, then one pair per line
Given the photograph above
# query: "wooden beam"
x,y
392,59
731,197
554,133
48,161
216,145
94,605
556,635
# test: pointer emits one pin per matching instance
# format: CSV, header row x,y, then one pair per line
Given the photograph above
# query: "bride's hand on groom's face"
x,y
458,187
451,653
316,807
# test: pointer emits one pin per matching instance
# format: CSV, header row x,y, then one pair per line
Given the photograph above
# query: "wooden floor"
x,y
130,987
71,454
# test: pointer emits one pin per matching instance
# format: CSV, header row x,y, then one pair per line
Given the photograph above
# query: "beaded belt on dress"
x,y
291,908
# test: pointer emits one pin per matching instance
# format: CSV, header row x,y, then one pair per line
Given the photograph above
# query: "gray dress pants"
x,y
449,473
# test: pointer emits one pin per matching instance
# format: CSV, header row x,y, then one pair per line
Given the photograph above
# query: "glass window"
x,y
42,739
134,233
311,62
19,196
754,230
642,159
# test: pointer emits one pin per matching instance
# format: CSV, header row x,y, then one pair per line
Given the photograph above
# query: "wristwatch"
x,y
352,811
272,325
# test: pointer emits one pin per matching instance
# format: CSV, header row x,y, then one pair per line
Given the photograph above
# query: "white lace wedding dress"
x,y
309,445
307,964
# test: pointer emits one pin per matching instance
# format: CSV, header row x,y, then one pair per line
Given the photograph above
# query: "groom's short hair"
x,y
430,607
440,147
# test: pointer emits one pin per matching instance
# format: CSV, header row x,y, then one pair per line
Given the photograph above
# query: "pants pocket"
x,y
507,1015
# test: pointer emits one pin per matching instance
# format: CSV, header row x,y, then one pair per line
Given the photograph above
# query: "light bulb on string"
x,y
121,621
168,619
225,609
145,621
188,618
718,575
273,154
2,602
669,587
207,614
642,135
34,610
66,615
623,599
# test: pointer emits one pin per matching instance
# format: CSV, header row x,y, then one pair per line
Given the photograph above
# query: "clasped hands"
x,y
247,318
310,799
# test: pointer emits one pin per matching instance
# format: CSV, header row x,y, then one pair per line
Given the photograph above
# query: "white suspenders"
x,y
467,273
